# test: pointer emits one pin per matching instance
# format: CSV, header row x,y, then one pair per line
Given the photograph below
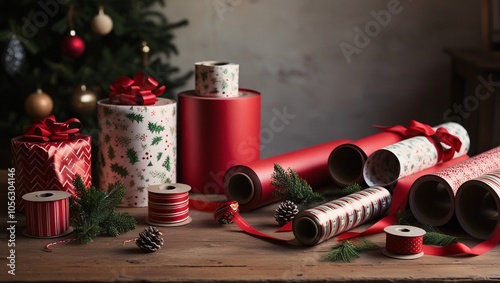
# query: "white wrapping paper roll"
x,y
387,165
477,205
137,146
216,79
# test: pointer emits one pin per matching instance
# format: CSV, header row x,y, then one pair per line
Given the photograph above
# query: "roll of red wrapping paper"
x,y
318,224
404,242
47,214
250,184
168,205
477,205
216,133
432,196
346,161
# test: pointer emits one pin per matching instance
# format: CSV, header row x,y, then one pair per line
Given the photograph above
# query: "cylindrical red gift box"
x,y
214,134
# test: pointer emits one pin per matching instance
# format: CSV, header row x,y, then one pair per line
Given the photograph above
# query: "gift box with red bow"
x,y
49,156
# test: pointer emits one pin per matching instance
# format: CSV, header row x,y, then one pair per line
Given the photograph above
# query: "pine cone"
x,y
150,239
285,212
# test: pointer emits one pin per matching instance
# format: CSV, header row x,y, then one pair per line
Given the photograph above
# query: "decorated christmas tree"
x,y
60,56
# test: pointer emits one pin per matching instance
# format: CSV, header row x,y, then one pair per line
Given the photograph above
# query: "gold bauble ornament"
x,y
101,24
38,105
83,100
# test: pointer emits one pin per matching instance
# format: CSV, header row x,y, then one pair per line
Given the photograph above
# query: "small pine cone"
x,y
150,239
285,212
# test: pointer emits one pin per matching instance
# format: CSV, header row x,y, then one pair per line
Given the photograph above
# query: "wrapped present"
x,y
49,156
137,141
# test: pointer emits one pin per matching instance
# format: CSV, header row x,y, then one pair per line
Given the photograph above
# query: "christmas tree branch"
x,y
290,186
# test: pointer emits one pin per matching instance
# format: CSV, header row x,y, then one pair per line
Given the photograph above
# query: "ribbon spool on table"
x,y
168,205
404,242
47,214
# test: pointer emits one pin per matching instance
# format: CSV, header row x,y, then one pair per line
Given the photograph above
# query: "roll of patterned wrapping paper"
x,y
137,146
217,79
250,184
216,133
477,205
47,214
385,166
318,224
346,161
432,196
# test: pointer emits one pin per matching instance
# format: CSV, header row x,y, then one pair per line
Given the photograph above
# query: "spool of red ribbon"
x,y
168,205
47,214
404,242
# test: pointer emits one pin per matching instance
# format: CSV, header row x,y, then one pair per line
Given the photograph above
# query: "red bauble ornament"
x,y
72,46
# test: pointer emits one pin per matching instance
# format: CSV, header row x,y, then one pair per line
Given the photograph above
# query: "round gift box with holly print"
x,y
137,146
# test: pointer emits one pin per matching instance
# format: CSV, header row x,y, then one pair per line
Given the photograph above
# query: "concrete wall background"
x,y
289,51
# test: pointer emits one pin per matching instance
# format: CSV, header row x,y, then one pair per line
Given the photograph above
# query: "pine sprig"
x,y
347,251
288,185
93,212
433,235
334,194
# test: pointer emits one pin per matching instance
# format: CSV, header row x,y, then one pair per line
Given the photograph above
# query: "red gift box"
x,y
50,163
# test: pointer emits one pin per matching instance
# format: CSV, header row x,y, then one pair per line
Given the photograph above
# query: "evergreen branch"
x,y
290,186
335,194
347,251
93,213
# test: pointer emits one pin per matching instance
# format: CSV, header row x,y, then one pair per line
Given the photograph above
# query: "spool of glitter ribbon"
x,y
318,224
404,242
47,214
168,205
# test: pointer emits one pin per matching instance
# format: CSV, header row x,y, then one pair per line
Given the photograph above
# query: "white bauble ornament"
x,y
102,24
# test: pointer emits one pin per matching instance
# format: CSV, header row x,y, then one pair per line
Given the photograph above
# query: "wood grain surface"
x,y
204,251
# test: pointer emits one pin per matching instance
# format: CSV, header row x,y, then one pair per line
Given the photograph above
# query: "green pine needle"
x,y
342,192
93,212
290,186
347,251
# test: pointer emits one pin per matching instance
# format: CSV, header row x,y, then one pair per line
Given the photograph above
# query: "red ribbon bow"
x,y
141,90
48,129
439,137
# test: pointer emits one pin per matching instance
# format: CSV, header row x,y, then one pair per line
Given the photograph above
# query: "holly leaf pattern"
x,y
135,117
120,170
132,156
167,163
155,128
111,153
156,140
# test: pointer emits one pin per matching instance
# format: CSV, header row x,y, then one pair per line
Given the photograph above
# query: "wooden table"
x,y
204,251
472,101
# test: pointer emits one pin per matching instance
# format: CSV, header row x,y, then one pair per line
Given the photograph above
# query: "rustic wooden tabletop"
x,y
204,251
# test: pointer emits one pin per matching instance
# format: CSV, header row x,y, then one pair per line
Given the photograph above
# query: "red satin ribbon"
x,y
141,90
48,129
437,137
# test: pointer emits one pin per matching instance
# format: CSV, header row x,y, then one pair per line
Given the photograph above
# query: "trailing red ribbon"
x,y
141,90
48,129
437,137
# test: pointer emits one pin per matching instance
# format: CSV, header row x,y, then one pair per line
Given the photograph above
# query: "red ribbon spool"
x,y
47,214
404,242
168,205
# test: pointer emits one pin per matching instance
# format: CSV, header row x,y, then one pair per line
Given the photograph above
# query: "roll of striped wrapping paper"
x,y
47,214
318,224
